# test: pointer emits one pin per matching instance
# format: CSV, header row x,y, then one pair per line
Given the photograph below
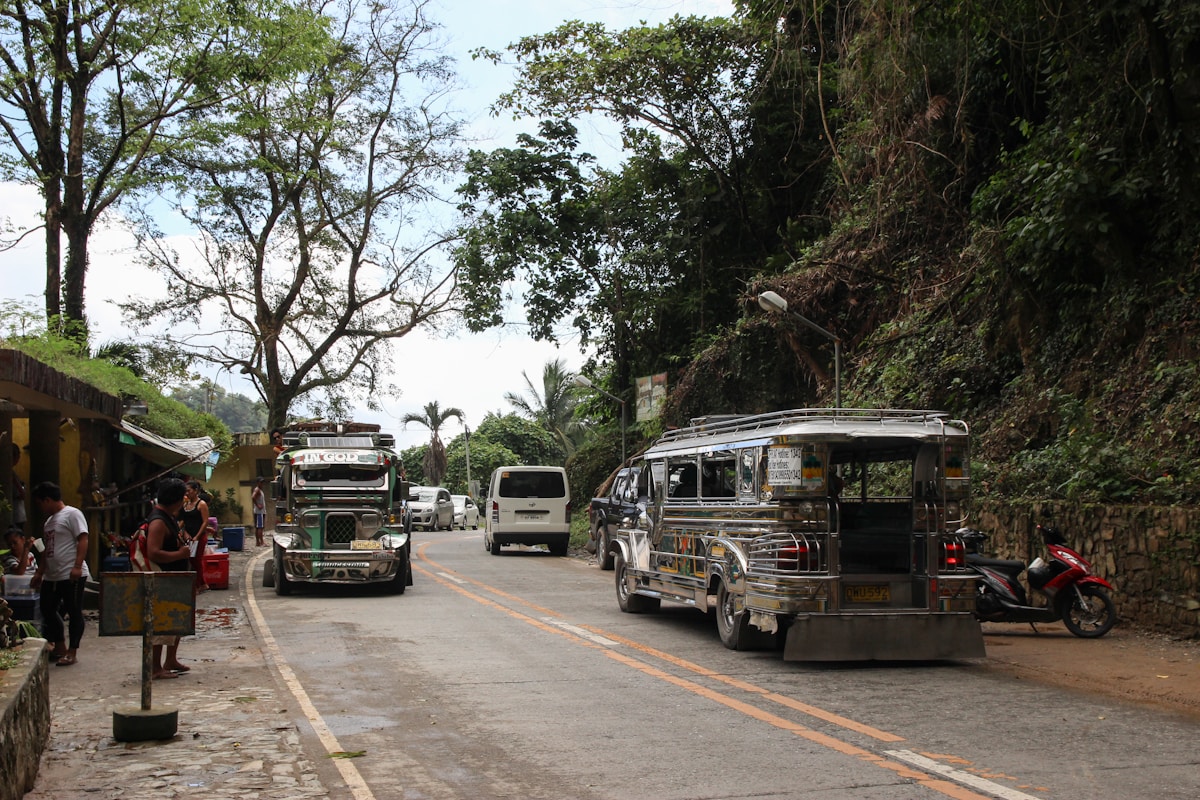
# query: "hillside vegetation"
x,y
993,204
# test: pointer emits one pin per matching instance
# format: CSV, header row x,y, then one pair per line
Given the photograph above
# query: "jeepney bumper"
x,y
343,566
883,636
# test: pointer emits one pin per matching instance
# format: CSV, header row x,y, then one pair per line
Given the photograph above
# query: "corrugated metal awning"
x,y
194,457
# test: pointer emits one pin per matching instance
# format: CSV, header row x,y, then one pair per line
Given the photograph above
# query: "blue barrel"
x,y
233,537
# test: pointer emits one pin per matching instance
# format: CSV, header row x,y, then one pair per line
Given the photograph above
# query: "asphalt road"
x,y
518,677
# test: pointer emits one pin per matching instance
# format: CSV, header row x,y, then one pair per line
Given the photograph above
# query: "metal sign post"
x,y
148,604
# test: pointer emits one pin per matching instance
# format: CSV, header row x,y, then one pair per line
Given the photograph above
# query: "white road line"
x,y
350,774
960,776
454,578
595,638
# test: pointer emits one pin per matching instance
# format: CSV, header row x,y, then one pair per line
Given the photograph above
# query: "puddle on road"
x,y
213,623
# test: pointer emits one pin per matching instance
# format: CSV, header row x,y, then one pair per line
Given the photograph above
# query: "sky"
x,y
463,370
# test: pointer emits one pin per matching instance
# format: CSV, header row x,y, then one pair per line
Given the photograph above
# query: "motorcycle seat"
x,y
996,563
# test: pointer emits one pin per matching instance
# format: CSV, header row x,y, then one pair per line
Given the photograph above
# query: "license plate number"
x,y
869,594
365,544
529,515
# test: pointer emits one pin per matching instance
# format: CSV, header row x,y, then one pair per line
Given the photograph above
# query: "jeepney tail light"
x,y
954,556
794,558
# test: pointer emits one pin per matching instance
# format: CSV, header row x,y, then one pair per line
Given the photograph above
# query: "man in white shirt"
x,y
60,571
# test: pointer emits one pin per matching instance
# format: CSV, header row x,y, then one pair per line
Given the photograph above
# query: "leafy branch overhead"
x,y
307,264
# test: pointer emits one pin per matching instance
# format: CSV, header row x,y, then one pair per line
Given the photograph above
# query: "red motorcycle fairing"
x,y
1095,580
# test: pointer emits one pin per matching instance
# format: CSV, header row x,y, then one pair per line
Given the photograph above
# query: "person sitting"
x,y
19,559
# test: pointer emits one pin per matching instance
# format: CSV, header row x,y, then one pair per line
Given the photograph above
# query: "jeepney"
x,y
341,507
835,529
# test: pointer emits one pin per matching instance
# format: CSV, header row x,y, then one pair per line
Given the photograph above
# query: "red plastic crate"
x,y
216,570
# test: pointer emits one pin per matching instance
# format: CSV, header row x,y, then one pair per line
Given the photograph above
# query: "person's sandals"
x,y
66,661
165,674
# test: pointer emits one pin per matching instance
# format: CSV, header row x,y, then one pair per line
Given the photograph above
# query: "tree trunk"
x,y
53,220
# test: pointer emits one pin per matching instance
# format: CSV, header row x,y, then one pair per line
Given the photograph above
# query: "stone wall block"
x,y
24,719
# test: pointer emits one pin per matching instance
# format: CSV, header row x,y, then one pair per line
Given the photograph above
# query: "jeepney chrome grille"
x,y
340,528
788,553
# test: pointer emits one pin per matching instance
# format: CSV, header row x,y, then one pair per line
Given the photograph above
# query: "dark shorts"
x,y
260,520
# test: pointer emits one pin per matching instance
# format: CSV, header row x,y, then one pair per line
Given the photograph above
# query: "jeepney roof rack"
x,y
333,439
714,424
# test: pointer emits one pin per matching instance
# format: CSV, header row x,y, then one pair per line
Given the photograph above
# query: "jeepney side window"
x,y
683,478
747,476
718,474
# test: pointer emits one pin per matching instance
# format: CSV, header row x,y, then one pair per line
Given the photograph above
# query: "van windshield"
x,y
532,484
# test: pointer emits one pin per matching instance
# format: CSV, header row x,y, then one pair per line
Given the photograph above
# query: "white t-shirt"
x,y
61,535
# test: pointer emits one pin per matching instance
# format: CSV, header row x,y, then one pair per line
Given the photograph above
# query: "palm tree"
x,y
435,458
554,407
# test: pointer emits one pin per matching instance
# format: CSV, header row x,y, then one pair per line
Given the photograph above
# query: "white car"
x,y
465,512
431,508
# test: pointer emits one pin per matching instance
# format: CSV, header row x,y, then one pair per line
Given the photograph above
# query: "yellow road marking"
x,y
901,769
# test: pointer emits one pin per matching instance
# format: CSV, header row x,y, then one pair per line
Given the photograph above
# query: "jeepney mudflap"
x,y
883,637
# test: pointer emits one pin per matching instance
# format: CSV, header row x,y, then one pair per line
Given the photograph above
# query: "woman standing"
x,y
193,518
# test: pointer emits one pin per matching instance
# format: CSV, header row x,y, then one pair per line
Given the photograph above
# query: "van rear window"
x,y
532,484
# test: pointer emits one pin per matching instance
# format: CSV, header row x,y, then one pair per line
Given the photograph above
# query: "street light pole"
x,y
583,382
467,436
770,301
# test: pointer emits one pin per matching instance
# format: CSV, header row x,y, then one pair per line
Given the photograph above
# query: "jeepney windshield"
x,y
340,475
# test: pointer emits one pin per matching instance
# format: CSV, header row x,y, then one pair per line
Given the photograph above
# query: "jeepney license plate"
x,y
873,593
365,544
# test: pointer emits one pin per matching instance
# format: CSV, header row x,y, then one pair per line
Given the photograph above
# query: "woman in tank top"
x,y
193,517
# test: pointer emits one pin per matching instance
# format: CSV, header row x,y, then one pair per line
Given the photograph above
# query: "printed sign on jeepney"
x,y
337,457
795,468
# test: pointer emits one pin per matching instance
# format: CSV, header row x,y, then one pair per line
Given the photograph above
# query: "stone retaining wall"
x,y
24,719
1151,554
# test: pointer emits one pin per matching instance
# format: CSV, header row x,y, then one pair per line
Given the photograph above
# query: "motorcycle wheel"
x,y
1090,616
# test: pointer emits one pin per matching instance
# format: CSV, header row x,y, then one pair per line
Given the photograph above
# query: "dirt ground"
x,y
1138,666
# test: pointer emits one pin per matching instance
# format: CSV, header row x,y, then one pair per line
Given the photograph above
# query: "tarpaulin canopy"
x,y
194,457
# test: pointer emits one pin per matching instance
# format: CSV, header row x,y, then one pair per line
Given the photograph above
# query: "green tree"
x,y
526,439
486,456
91,91
240,413
553,407
304,204
434,417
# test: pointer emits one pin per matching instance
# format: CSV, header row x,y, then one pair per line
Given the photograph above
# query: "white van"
x,y
528,505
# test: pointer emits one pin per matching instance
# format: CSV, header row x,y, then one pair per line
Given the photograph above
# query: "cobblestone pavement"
x,y
235,739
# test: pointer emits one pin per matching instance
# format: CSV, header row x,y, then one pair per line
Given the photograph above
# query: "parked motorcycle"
x,y
1072,593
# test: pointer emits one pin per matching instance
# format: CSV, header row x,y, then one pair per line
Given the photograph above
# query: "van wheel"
x,y
630,602
495,548
734,626
559,549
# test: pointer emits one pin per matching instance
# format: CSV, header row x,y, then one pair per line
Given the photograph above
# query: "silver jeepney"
x,y
835,529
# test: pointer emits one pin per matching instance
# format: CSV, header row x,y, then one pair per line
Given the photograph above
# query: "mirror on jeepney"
x,y
278,489
400,492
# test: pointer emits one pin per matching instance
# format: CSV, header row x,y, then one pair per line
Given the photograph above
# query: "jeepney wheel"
x,y
734,626
604,557
400,581
283,586
269,574
630,602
